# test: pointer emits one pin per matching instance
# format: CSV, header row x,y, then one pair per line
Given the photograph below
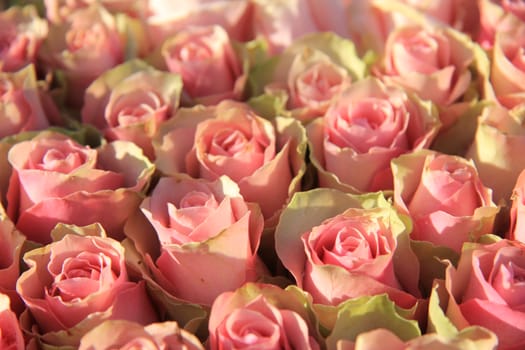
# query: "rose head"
x,y
55,179
83,46
497,149
130,335
20,105
263,317
508,68
204,57
22,34
433,63
443,194
129,102
347,251
208,238
11,337
76,283
517,211
499,17
369,125
231,139
487,289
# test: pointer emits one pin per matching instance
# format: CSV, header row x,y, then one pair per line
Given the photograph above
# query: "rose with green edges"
x,y
497,149
354,317
339,246
77,282
130,101
83,46
311,72
55,179
445,198
201,238
120,334
263,316
22,34
487,289
232,139
352,144
21,108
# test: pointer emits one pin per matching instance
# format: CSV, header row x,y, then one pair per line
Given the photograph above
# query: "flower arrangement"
x,y
262,174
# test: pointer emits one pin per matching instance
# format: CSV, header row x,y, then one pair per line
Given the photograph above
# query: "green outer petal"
x,y
360,315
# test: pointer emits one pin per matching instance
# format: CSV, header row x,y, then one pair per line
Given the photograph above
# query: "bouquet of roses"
x,y
262,174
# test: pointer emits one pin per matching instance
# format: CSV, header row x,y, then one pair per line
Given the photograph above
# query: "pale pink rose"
x,y
231,139
83,46
129,102
497,149
355,246
204,57
208,238
310,73
432,62
444,196
508,68
362,131
487,289
166,17
55,179
11,337
21,106
462,15
496,17
76,283
260,317
21,36
517,211
470,338
127,335
59,10
11,249
280,23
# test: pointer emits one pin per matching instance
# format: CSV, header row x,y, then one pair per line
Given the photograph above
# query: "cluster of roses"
x,y
262,174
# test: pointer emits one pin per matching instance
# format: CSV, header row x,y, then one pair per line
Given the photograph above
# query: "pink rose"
x,y
208,238
259,316
462,15
311,73
349,250
11,249
59,10
470,338
55,179
508,68
11,337
76,283
432,62
369,125
130,335
281,23
517,211
21,108
444,196
504,16
497,149
84,46
231,139
487,289
166,18
130,101
22,34
204,57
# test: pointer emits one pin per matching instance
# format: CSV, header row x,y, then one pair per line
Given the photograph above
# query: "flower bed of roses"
x,y
262,174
